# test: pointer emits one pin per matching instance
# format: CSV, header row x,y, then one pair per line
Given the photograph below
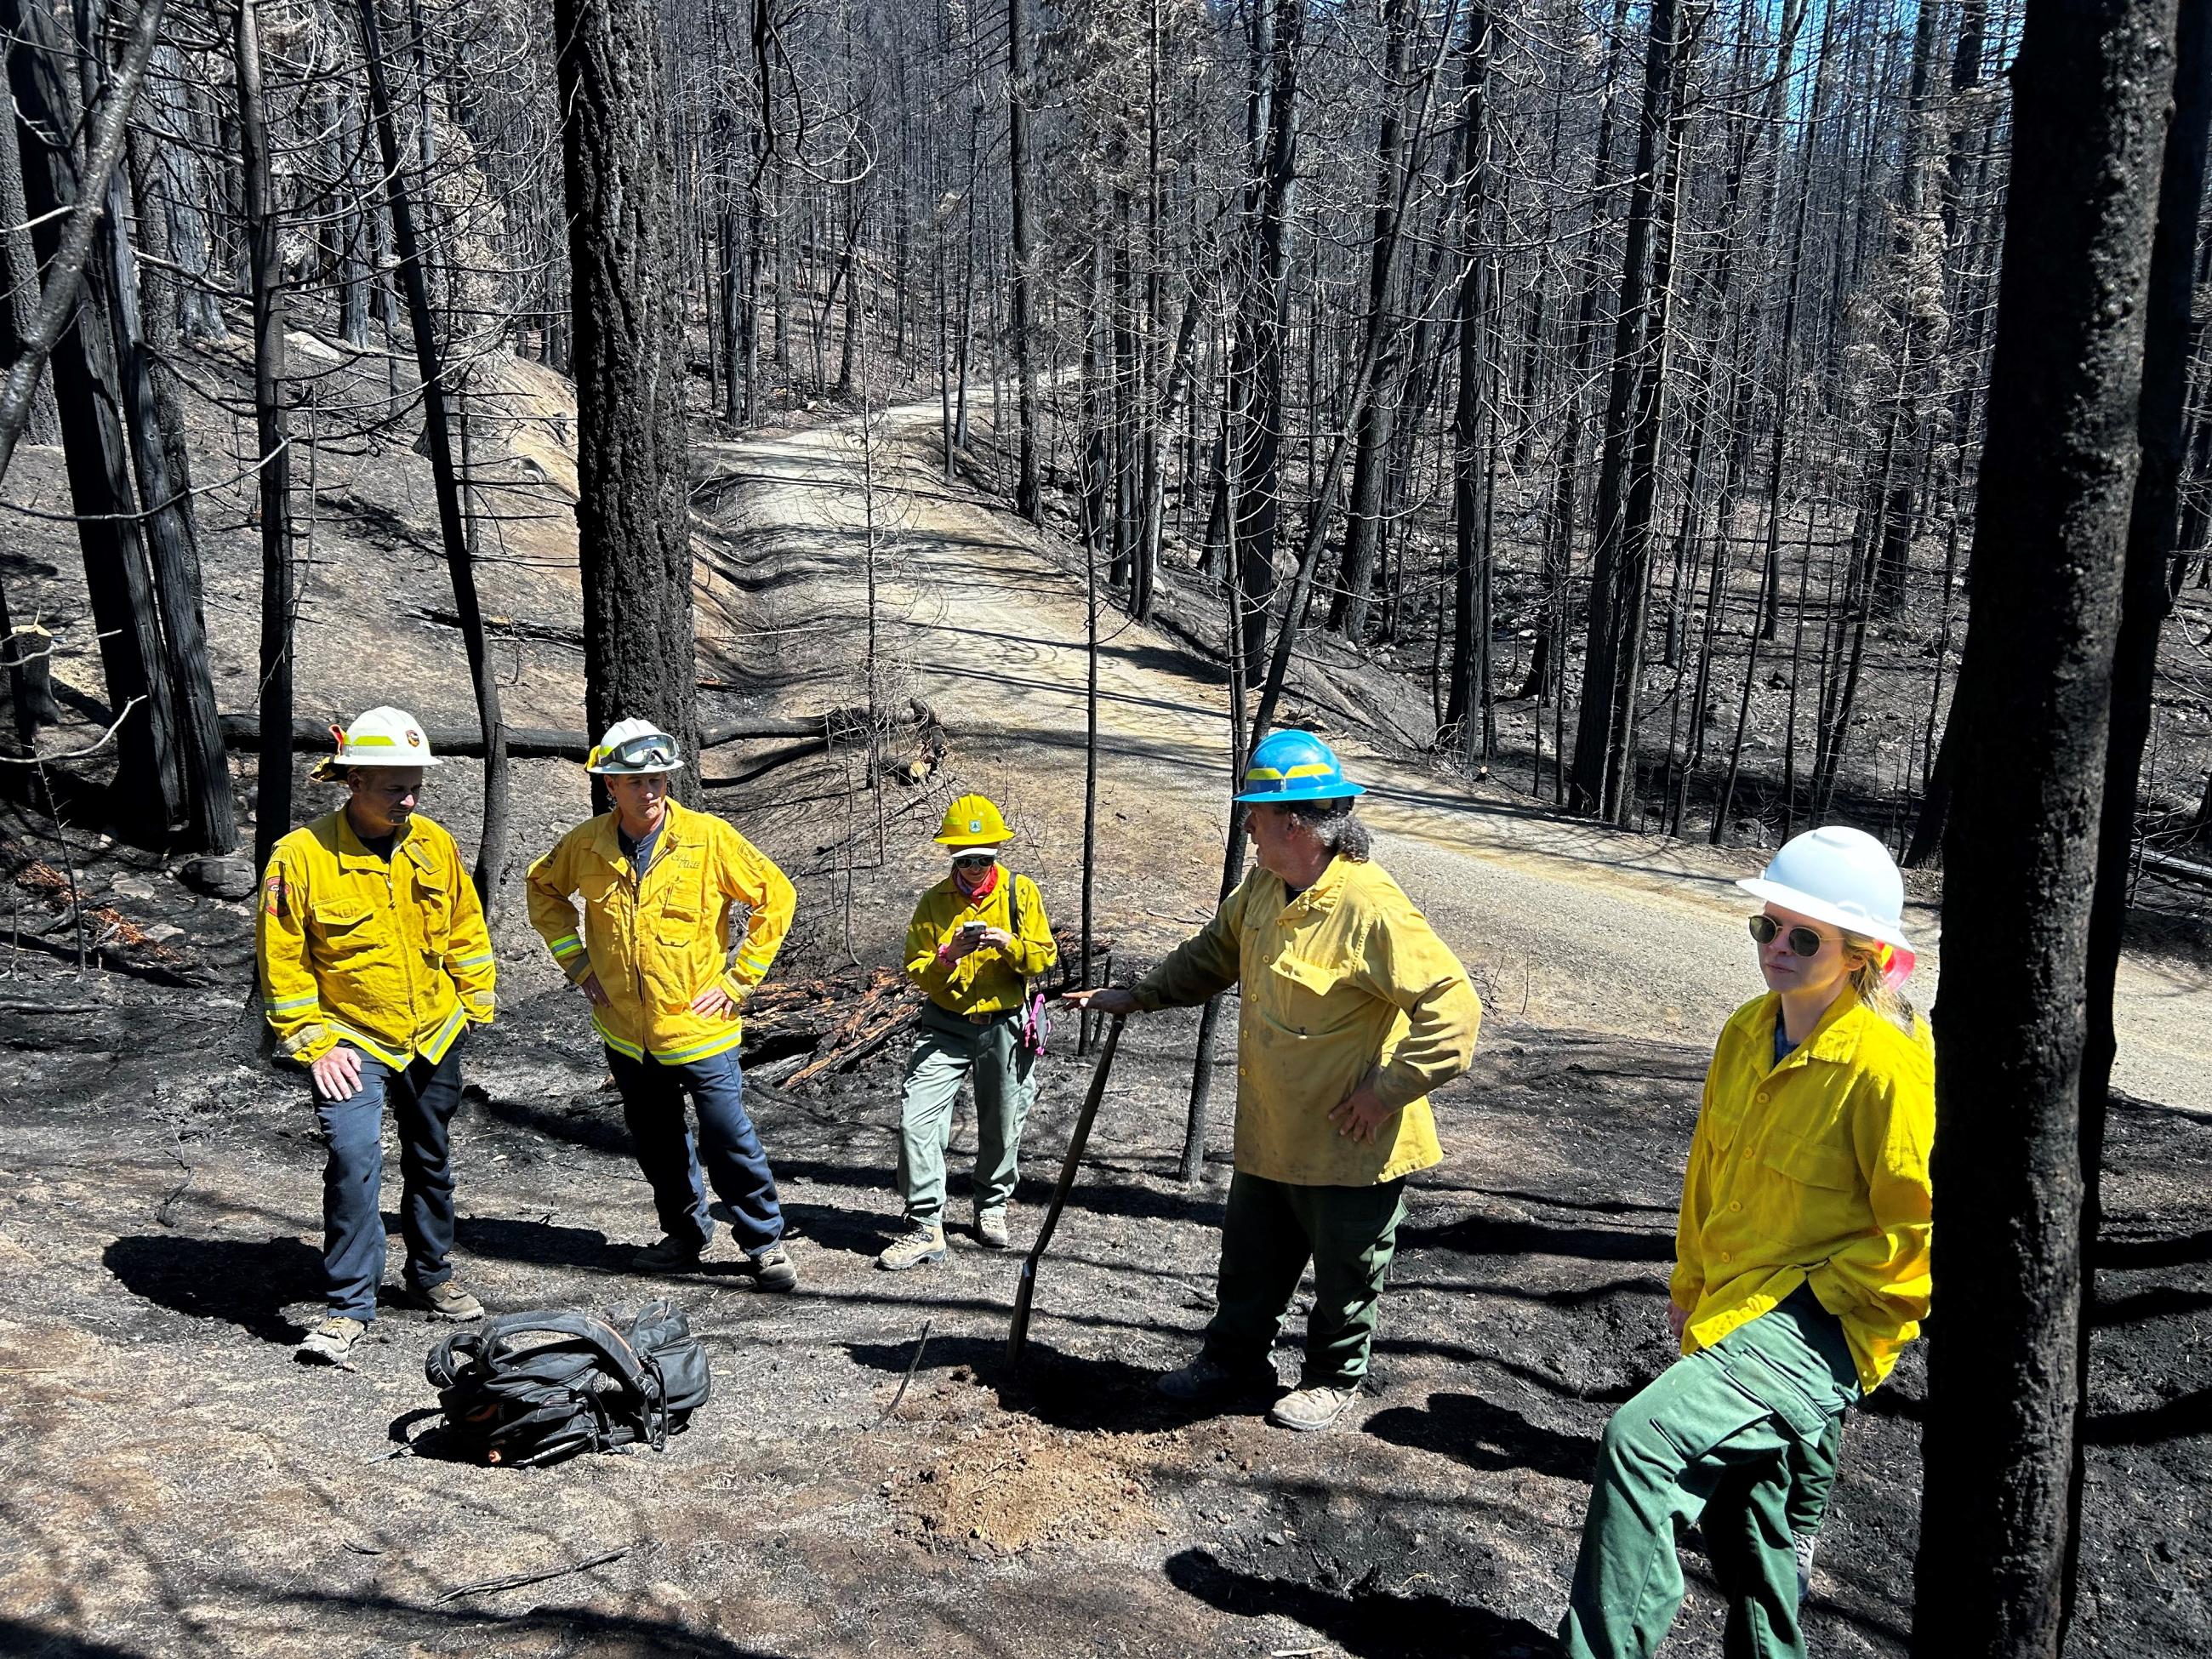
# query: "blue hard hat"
x,y
1294,766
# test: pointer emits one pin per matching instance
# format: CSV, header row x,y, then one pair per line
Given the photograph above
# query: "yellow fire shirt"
x,y
1344,980
1813,1169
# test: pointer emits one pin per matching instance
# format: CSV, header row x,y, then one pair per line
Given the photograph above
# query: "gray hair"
x,y
1335,824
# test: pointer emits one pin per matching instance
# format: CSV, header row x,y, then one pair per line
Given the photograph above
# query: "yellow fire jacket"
x,y
1814,1170
391,958
657,944
987,980
1345,980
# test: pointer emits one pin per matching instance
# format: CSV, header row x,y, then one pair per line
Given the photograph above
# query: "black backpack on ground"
x,y
533,1388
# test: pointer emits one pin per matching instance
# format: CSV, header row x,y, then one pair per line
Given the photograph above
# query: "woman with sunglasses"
x,y
977,940
1802,1266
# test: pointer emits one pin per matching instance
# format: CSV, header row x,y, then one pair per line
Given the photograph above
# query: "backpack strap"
x,y
610,1344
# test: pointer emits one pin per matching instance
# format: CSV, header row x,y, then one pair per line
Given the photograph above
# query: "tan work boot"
x,y
991,1230
1308,1410
448,1301
330,1342
919,1243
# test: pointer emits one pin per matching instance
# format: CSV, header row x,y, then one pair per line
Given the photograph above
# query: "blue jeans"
x,y
653,1106
422,1098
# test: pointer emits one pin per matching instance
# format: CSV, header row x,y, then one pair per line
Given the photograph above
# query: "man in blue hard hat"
x,y
1351,1010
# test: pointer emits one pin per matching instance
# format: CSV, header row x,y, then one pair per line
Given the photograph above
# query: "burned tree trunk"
x,y
2059,473
1026,500
631,516
273,441
148,784
460,561
2144,604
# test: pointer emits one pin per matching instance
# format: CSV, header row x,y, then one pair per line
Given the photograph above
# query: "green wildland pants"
x,y
1711,1441
1269,1232
947,1048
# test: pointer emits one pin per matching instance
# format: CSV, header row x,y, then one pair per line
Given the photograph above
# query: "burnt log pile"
x,y
800,1031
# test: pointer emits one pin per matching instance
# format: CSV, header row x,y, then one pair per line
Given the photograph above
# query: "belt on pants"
x,y
991,1018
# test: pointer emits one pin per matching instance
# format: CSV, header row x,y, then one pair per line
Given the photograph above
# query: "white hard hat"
x,y
1846,877
382,737
634,746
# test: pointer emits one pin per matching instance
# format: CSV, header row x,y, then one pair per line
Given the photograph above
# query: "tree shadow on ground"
x,y
2175,1419
836,1227
1063,1390
544,1629
1368,1624
1485,1435
234,1279
2188,1251
539,1243
598,1131
19,1637
1482,1236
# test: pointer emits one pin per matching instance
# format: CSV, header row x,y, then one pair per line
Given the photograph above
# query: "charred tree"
x,y
631,467
2091,86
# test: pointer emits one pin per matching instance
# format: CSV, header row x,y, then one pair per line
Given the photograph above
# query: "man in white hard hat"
x,y
658,883
374,961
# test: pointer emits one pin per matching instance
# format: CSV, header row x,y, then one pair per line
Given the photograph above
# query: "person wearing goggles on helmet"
x,y
658,883
374,961
1800,1269
1351,1012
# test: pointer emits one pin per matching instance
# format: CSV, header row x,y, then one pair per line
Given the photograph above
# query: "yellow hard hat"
x,y
972,821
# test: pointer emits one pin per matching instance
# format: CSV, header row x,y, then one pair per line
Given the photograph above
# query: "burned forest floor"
x,y
175,1483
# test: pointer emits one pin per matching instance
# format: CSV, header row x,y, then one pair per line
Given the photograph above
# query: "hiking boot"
x,y
991,1230
448,1301
921,1242
1205,1382
330,1342
771,1269
1309,1410
1802,1546
670,1256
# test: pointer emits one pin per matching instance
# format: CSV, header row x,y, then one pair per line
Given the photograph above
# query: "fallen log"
x,y
243,732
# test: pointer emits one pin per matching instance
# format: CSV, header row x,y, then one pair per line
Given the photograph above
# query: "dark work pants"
x,y
422,1098
1271,1229
653,1105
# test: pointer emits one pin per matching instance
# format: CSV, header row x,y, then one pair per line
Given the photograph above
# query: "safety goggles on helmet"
x,y
649,750
1801,941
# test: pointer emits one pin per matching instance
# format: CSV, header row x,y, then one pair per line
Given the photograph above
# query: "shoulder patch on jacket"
x,y
272,891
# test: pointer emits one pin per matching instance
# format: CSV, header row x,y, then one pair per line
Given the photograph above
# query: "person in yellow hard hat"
x,y
375,960
1352,1011
977,939
658,882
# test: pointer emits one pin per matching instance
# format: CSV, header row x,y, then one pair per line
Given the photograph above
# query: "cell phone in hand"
x,y
973,929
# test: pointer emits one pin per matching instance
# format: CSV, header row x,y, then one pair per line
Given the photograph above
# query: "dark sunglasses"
x,y
975,859
1802,941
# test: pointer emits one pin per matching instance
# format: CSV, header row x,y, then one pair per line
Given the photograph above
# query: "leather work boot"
x,y
771,1269
670,1256
1310,1410
1205,1382
448,1301
991,1229
330,1342
919,1243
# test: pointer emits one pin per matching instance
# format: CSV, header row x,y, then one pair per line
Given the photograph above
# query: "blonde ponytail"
x,y
1866,983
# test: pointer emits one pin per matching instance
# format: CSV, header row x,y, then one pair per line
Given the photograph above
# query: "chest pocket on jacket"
x,y
347,932
1814,1162
1304,994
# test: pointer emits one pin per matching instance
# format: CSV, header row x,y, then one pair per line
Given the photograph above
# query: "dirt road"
x,y
1566,925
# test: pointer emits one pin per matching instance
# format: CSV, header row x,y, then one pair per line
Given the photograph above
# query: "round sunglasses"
x,y
1802,941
